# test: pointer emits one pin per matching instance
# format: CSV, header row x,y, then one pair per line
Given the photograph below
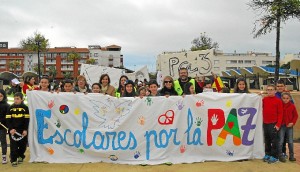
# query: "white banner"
x,y
139,74
93,73
78,128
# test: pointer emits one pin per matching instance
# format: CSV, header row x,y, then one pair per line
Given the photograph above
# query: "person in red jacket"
x,y
290,117
272,118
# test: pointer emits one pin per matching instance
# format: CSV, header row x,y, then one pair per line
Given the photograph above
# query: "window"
x,y
231,61
228,68
266,62
216,68
240,61
0,45
247,61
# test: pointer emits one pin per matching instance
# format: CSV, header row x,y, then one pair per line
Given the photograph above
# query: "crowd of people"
x,y
279,112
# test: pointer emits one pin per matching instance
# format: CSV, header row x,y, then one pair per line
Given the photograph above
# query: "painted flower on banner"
x,y
64,109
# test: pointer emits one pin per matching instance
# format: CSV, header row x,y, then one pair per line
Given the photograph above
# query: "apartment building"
x,y
19,61
107,56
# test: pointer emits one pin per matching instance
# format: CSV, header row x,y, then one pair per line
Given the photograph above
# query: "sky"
x,y
143,28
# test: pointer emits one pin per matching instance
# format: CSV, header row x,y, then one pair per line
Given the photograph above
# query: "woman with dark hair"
x,y
81,85
241,86
168,89
129,89
121,87
106,88
45,84
4,106
188,89
28,84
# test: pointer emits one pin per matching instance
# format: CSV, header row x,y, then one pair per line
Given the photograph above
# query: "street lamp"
x,y
38,43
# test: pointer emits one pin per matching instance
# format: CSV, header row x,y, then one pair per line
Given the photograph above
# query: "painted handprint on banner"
x,y
214,119
141,120
137,154
198,121
180,105
51,104
182,148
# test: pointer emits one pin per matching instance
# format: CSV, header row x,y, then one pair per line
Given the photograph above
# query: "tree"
x,y
203,43
14,64
36,68
67,75
72,56
37,43
91,61
274,12
52,71
286,66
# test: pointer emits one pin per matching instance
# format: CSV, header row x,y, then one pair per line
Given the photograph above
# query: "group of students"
x,y
279,116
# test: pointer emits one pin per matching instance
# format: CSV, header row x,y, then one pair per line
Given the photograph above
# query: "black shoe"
x,y
292,159
282,159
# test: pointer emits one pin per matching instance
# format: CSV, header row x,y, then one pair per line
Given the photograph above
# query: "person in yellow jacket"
x,y
183,79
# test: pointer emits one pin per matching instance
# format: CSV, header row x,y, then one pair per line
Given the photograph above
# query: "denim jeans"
x,y
286,132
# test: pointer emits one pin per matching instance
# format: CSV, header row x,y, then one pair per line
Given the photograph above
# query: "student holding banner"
x,y
81,85
272,118
4,106
241,86
17,120
129,89
45,84
106,88
121,88
168,87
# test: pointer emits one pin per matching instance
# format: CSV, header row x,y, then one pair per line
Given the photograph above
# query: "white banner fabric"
x,y
93,73
79,128
139,74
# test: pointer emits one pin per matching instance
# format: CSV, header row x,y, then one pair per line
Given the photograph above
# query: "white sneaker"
x,y
4,159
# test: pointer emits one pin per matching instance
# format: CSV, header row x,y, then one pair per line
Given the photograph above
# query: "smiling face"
x,y
183,74
96,89
241,85
286,98
44,83
81,83
104,81
122,81
129,88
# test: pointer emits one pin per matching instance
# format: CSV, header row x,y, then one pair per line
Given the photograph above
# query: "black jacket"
x,y
3,109
18,117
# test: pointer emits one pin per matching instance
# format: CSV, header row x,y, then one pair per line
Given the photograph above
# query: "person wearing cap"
x,y
129,89
12,89
183,79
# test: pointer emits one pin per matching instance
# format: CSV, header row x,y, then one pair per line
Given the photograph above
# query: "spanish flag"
x,y
218,84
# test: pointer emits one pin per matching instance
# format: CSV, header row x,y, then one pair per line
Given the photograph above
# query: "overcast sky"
x,y
143,28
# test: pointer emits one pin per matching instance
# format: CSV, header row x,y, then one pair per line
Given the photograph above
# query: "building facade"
x,y
107,56
202,63
55,60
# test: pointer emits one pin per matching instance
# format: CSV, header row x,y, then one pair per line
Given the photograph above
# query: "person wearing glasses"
x,y
81,85
183,79
168,87
272,119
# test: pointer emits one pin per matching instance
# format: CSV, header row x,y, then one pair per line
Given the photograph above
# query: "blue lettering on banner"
x,y
196,134
114,140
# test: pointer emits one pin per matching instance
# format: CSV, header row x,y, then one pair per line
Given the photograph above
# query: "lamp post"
x,y
38,43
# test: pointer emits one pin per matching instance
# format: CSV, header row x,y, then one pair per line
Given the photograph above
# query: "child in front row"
x,y
17,119
290,117
272,118
3,110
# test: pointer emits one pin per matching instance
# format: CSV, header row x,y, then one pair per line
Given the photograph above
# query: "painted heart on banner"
x,y
230,124
167,118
